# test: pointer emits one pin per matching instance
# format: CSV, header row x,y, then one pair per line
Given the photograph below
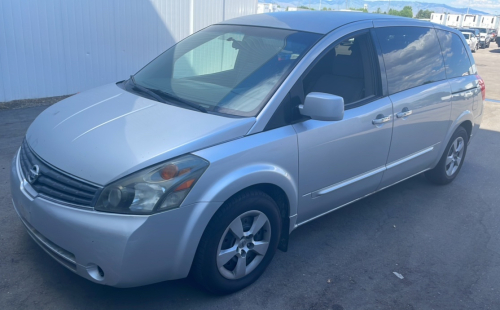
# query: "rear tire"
x,y
452,160
234,229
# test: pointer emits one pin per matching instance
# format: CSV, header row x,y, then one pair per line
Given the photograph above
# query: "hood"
x,y
106,133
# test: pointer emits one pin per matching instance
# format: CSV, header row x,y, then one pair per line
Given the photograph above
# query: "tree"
x,y
379,11
424,14
305,7
394,12
405,12
360,9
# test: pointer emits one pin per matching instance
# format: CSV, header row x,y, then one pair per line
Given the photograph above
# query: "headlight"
x,y
155,189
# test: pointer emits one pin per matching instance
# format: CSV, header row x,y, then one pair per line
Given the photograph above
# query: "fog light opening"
x,y
95,272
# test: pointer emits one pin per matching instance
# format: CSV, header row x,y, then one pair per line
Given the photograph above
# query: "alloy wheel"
x,y
455,155
243,245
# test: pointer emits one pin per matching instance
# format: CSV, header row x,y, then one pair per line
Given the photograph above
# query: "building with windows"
x,y
466,20
266,8
438,18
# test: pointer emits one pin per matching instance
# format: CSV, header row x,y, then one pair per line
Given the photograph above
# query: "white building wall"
x,y
454,20
266,8
471,21
488,21
438,18
59,47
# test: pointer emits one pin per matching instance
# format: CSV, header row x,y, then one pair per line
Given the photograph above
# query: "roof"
x,y
310,21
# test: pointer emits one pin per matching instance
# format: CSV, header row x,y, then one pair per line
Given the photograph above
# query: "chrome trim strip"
x,y
64,203
410,157
25,187
325,213
350,181
64,172
368,174
31,193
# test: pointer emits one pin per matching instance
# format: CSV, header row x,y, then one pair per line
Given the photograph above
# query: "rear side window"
x,y
412,57
456,58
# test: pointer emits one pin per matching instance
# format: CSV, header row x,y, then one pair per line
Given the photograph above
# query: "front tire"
x,y
238,243
452,160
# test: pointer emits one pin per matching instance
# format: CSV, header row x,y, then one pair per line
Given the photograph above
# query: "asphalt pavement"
x,y
412,246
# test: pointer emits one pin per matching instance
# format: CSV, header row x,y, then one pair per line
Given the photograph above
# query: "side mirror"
x,y
323,107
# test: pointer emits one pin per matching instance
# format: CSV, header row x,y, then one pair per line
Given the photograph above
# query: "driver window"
x,y
345,71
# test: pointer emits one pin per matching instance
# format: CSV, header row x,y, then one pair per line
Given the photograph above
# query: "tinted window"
x,y
412,57
456,58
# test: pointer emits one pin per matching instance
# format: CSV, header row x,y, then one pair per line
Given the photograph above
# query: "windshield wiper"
x,y
180,100
147,90
159,95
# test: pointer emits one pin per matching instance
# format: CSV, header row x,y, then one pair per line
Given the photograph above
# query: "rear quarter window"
x,y
412,57
456,58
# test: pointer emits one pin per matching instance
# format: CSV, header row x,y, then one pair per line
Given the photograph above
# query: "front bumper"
x,y
130,250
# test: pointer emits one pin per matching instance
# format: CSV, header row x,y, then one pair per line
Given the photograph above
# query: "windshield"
x,y
466,35
227,69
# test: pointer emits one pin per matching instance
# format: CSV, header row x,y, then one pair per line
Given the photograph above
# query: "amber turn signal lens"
x,y
169,172
185,185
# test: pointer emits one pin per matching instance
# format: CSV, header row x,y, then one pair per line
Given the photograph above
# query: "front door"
x,y
340,161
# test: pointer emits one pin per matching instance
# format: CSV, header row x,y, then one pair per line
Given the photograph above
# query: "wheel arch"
x,y
467,125
465,120
280,197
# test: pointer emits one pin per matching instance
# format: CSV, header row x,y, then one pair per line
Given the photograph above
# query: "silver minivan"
x,y
203,162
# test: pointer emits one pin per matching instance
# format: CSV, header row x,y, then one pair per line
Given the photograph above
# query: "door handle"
x,y
381,119
404,113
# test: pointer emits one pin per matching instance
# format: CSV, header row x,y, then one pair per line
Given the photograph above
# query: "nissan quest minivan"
x,y
204,161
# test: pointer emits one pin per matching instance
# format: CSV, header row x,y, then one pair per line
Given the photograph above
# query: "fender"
x,y
269,157
242,178
466,115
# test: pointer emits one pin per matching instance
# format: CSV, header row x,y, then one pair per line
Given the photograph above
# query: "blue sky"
x,y
490,6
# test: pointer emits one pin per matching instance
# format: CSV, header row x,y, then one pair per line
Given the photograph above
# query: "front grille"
x,y
54,184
